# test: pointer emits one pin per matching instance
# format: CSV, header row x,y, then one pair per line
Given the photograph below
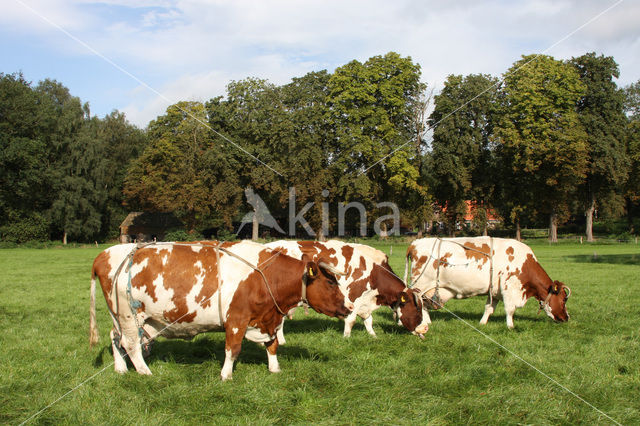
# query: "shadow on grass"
x,y
212,348
615,259
305,324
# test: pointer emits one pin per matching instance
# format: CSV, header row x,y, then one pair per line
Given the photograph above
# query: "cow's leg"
x,y
119,363
135,354
280,333
272,348
233,344
349,321
489,307
131,342
509,310
368,324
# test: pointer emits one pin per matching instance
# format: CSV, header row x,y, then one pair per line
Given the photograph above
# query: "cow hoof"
x,y
226,378
277,370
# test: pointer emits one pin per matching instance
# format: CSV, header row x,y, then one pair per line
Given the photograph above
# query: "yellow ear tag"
x,y
555,288
310,272
402,299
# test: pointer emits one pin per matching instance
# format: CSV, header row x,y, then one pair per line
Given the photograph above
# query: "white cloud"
x,y
193,48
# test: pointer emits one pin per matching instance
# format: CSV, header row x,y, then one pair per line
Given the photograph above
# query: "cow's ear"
x,y
311,269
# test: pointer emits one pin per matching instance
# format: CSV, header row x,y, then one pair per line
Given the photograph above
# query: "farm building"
x,y
147,226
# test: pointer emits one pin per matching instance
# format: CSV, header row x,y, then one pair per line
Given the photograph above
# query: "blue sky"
x,y
191,49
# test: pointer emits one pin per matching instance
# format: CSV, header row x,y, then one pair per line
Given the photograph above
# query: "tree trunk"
x,y
484,229
64,238
589,214
553,228
518,236
629,206
255,226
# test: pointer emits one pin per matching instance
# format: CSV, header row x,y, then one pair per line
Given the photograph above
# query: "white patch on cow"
x,y
366,303
196,248
255,335
274,367
464,277
227,369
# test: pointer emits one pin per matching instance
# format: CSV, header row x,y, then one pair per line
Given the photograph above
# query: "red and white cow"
x,y
366,282
462,267
182,289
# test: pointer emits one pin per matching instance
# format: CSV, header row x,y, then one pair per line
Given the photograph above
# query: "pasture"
x,y
455,376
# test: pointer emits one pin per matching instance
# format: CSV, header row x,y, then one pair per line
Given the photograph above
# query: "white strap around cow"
x,y
435,298
217,249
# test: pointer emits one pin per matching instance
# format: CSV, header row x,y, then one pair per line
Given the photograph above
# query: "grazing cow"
x,y
182,289
500,268
367,283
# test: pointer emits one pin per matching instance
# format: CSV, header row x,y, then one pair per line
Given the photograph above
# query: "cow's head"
x,y
408,310
323,292
555,303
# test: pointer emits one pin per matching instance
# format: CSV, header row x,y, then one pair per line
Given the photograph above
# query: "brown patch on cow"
x,y
317,251
347,254
148,274
534,279
480,254
101,269
358,286
211,277
443,261
417,262
510,252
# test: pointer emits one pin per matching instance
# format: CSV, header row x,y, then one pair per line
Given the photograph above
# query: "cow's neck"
x,y
534,279
387,284
286,291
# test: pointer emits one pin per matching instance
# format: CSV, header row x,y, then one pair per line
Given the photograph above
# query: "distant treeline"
x,y
550,141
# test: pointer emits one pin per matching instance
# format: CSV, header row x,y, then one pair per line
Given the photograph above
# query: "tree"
x,y
601,112
542,141
26,181
75,209
254,118
183,171
464,166
632,187
372,106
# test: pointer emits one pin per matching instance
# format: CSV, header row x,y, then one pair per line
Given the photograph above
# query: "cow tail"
x,y
94,336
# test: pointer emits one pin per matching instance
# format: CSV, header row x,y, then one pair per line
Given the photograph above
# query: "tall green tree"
x,y
309,142
26,182
632,187
253,117
372,106
464,165
183,171
75,210
601,112
541,138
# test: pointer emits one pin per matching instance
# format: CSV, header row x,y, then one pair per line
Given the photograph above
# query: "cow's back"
x,y
463,265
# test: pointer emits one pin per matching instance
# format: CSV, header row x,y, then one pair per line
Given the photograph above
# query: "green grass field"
x,y
455,376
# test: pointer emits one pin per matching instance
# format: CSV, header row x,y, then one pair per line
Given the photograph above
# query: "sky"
x,y
140,56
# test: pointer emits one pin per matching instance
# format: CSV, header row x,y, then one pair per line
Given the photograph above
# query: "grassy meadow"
x,y
455,376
